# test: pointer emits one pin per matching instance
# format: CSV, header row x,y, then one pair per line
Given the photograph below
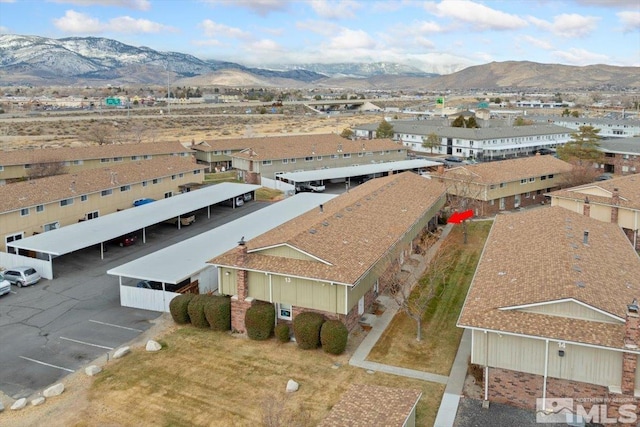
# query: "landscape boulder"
x,y
121,352
19,404
54,390
38,401
92,370
153,346
292,386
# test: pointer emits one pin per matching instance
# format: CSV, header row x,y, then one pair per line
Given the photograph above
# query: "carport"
x,y
386,168
61,241
187,260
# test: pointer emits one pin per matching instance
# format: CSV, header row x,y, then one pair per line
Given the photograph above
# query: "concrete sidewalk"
x,y
451,398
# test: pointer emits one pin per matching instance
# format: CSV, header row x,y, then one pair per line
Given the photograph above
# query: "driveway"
x,y
57,326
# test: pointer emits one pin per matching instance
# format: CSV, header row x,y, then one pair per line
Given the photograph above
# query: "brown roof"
x,y
50,189
628,189
43,155
372,406
224,144
297,146
509,170
350,234
539,256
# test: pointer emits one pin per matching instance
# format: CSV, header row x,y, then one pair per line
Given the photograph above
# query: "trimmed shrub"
x,y
218,313
306,329
282,332
196,311
334,336
178,308
259,320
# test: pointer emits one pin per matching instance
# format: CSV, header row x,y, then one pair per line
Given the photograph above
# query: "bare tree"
x,y
414,300
136,132
101,133
49,168
463,193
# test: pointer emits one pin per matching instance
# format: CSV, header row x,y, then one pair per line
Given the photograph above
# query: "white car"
x,y
22,276
5,285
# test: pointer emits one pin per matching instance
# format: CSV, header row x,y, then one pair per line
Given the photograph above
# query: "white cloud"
x,y
576,56
340,9
630,21
3,29
609,3
478,15
81,23
542,44
130,4
352,39
207,43
319,27
568,25
214,29
260,7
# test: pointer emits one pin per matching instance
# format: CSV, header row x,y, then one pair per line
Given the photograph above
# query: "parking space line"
x,y
116,326
13,292
46,364
86,343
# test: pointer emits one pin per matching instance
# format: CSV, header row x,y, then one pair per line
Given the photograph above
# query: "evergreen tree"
x,y
385,130
583,148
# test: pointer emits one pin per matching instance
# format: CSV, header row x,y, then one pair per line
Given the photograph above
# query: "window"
x,y
266,162
173,177
181,175
346,155
156,180
532,179
319,158
285,311
40,208
134,158
12,238
51,226
502,185
105,160
543,177
105,193
66,202
360,154
334,156
550,176
145,183
92,215
523,181
227,152
117,159
83,198
27,166
527,194
369,153
147,156
292,160
308,159
1,168
196,172
125,188
492,187
24,212
285,161
168,194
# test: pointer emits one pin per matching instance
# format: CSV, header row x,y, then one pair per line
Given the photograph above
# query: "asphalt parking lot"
x,y
58,326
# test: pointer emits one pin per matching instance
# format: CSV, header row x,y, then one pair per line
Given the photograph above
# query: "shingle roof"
x,y
350,234
50,189
365,405
420,127
621,145
224,144
552,263
284,147
509,170
628,189
43,155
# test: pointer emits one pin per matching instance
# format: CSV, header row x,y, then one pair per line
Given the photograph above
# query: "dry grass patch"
x,y
440,336
211,378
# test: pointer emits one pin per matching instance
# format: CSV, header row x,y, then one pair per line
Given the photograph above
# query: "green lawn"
x,y
440,336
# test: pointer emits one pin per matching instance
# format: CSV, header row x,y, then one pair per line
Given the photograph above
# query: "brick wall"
x,y
238,310
618,161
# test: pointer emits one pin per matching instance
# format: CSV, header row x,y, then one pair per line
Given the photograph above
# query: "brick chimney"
x,y
630,360
615,202
586,208
240,302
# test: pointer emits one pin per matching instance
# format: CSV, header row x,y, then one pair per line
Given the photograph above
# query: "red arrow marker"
x,y
458,217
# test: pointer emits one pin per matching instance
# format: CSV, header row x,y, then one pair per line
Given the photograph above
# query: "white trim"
x,y
291,247
622,350
538,304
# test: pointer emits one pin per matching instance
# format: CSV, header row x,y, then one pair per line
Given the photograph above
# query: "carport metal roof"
x,y
87,233
350,171
178,262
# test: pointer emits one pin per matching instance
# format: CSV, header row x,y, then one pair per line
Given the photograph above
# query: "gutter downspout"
x,y
546,371
486,368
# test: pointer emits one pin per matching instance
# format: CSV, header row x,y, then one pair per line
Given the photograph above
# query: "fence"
x,y
287,189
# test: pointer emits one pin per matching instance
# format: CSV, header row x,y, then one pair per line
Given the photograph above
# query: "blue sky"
x,y
425,34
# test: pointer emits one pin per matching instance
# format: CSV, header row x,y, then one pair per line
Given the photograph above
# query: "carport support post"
x,y
101,250
144,235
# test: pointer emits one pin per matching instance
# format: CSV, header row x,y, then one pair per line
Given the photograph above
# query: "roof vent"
x,y
585,238
312,231
577,268
325,223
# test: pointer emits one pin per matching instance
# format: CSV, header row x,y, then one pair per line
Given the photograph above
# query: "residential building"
x,y
609,128
556,316
40,205
216,153
16,165
490,143
615,200
621,156
489,188
335,259
271,156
